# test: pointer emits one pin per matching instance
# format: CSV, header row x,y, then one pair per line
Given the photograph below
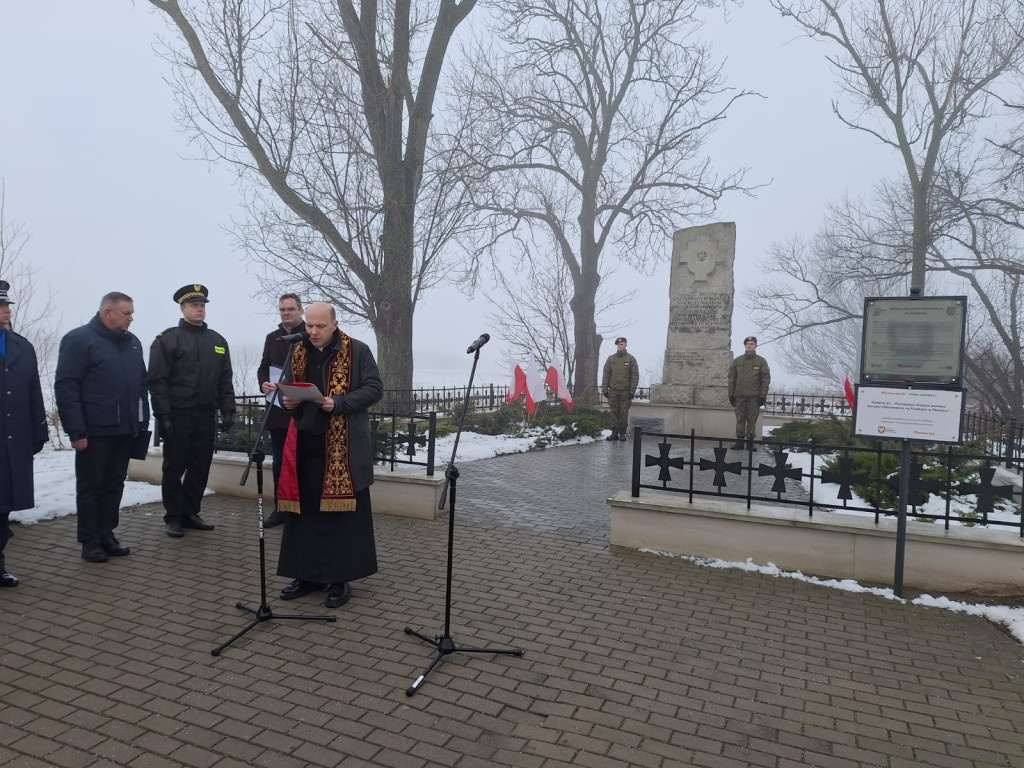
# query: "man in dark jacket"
x,y
328,464
289,306
619,382
22,424
189,381
100,388
749,379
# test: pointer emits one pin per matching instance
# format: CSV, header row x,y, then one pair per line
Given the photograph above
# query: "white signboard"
x,y
928,415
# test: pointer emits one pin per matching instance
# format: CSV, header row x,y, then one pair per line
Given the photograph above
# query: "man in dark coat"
x,y
327,471
289,306
22,425
102,401
189,381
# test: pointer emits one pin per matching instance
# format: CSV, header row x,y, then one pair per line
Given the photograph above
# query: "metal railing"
x,y
398,438
694,465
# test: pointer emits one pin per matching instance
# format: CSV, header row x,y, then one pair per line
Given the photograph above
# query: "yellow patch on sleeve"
x,y
219,350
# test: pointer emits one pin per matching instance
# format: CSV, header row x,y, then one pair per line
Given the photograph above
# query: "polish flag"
x,y
555,380
844,382
535,392
518,385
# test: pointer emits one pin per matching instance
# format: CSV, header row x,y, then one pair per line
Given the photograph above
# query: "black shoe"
x,y
338,595
113,547
739,445
622,436
299,588
197,523
174,529
92,552
8,579
276,518
614,435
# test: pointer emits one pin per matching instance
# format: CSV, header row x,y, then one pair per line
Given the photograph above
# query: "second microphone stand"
x,y
263,611
445,643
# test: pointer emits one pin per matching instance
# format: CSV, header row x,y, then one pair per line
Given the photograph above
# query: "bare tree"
x,y
591,118
532,308
326,108
920,76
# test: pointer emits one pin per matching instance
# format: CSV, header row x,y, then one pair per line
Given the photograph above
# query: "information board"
x,y
917,339
905,413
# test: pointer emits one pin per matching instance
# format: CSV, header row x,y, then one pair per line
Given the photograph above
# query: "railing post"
x,y
637,440
1011,441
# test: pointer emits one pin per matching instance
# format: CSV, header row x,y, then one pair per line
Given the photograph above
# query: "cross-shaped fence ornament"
x,y
917,485
845,478
720,466
780,472
410,439
986,492
663,461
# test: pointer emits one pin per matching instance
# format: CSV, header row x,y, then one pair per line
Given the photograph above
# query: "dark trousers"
x,y
618,404
5,535
277,438
187,457
100,471
747,411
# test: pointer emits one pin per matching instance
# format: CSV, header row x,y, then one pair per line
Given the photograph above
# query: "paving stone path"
x,y
630,659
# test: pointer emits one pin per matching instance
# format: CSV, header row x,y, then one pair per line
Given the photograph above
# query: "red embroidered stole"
x,y
337,490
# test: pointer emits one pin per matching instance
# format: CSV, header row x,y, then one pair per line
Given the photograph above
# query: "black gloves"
x,y
761,401
37,446
164,423
227,421
732,399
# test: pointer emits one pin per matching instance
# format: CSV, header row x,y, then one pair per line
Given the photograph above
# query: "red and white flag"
x,y
535,392
844,382
518,385
555,380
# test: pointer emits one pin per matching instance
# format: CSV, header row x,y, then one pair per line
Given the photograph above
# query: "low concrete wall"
x,y
830,545
406,492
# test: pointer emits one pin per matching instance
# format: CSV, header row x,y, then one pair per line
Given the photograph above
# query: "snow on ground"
x,y
55,497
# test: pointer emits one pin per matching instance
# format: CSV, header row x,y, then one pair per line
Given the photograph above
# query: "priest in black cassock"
x,y
327,467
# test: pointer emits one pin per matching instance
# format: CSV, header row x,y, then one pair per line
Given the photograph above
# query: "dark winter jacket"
x,y
621,373
749,376
22,421
190,368
274,353
101,382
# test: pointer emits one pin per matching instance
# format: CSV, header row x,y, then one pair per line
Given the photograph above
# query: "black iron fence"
x,y
967,483
482,398
398,439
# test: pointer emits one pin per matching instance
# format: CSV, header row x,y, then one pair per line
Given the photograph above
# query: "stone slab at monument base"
x,y
705,420
406,492
829,545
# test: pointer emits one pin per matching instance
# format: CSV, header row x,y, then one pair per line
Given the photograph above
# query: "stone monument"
x,y
701,288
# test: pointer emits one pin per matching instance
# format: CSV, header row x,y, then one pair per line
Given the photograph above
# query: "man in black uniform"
x,y
274,353
22,424
189,381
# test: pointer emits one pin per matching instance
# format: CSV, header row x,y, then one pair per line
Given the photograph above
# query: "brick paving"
x,y
630,659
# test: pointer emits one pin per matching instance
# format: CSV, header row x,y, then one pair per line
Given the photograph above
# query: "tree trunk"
x,y
588,342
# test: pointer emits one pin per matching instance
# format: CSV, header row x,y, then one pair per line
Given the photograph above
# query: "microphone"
x,y
300,336
475,346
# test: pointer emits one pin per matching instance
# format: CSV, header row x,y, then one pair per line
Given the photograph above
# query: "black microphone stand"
x,y
263,611
444,643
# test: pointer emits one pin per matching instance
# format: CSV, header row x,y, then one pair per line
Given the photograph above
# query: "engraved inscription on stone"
x,y
696,313
648,425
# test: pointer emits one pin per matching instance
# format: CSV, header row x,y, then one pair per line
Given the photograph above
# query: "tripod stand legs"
x,y
445,645
263,613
